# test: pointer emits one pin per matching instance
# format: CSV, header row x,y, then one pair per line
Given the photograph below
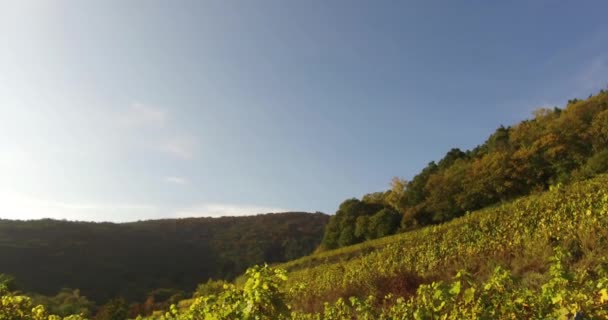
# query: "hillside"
x,y
106,260
514,228
556,146
522,236
539,257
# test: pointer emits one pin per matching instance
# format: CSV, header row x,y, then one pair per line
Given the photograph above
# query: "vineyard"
x,y
529,246
543,256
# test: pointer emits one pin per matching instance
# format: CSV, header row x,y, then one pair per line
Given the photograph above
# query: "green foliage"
x,y
260,298
115,309
342,227
362,229
7,282
499,297
598,131
597,164
516,235
383,223
106,260
65,303
556,146
475,267
540,257
211,287
499,140
396,197
19,307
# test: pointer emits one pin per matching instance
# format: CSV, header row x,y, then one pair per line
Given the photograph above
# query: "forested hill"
x,y
106,260
557,146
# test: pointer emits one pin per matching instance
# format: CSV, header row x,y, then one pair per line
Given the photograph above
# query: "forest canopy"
x,y
554,147
132,260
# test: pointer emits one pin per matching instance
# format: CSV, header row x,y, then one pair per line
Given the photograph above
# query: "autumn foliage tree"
x,y
556,146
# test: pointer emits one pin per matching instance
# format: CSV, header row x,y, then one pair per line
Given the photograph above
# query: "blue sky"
x,y
127,110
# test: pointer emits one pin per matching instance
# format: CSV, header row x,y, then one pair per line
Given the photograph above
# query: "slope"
x,y
105,260
521,236
556,146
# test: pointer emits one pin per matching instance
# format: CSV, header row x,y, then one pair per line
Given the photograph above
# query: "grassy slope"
x,y
519,235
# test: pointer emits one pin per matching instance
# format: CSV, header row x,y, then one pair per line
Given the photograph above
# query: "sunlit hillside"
x,y
303,160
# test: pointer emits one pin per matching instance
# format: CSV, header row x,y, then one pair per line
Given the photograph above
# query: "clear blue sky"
x,y
126,110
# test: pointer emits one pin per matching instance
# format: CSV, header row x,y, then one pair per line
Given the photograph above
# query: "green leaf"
x,y
557,299
469,295
455,290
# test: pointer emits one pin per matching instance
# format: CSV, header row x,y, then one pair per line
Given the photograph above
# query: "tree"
x,y
396,197
499,140
443,188
341,229
376,198
7,282
115,309
66,302
594,166
451,157
362,228
332,233
347,236
551,148
385,222
598,131
489,180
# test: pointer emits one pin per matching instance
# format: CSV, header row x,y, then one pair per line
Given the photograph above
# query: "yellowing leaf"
x,y
603,295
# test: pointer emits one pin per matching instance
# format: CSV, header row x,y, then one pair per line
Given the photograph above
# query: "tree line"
x,y
556,146
147,261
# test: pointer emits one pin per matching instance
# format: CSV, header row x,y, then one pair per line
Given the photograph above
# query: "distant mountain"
x,y
105,260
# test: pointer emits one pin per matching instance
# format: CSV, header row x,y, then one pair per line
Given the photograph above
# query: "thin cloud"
x,y
26,207
176,180
221,210
181,147
156,130
142,115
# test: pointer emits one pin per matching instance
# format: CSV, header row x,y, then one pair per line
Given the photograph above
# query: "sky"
x,y
131,110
